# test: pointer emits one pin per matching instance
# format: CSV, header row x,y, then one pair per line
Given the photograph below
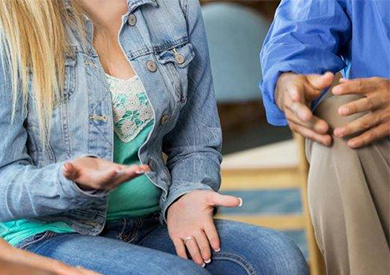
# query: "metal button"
x,y
179,59
151,65
132,20
164,119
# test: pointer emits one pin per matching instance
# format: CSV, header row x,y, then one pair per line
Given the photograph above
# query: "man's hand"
x,y
375,102
100,174
191,225
294,94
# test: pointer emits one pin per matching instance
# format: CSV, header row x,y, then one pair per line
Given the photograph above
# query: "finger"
x,y
212,235
127,173
356,86
325,140
180,248
295,94
204,246
358,125
361,105
225,201
194,251
69,171
316,124
369,136
321,82
301,111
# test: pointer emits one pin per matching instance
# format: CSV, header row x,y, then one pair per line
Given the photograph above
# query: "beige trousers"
x,y
349,199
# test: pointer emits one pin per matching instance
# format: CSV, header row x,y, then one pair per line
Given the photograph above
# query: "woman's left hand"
x,y
191,225
375,101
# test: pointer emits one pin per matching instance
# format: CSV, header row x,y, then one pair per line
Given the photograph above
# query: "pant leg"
x,y
112,257
349,199
245,249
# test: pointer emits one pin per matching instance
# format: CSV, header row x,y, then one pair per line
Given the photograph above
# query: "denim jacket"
x,y
165,42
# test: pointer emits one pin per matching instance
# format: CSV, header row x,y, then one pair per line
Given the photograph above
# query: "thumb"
x,y
321,82
226,201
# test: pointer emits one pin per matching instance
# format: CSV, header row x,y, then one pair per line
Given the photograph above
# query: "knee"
x,y
267,251
328,110
284,255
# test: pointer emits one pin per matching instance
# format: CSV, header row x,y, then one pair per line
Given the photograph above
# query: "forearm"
x,y
30,192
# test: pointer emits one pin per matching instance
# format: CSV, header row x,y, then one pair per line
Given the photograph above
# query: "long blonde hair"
x,y
34,39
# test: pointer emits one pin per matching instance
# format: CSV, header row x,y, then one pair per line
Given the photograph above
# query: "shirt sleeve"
x,y
306,37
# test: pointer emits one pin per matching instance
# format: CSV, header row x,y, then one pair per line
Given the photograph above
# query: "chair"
x,y
281,165
235,35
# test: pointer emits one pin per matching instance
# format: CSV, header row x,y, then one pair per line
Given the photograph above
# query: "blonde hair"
x,y
34,39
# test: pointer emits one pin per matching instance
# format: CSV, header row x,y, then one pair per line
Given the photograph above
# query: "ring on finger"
x,y
188,239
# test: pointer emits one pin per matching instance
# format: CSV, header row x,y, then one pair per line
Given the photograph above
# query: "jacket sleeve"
x,y
27,191
193,147
306,37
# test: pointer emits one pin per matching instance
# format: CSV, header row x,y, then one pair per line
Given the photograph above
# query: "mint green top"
x,y
133,121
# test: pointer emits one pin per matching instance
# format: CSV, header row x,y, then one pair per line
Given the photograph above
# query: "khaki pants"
x,y
349,199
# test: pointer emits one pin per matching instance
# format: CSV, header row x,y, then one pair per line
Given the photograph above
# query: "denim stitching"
x,y
46,235
124,224
133,234
237,259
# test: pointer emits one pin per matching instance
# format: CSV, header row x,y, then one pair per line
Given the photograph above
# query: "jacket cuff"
x,y
177,193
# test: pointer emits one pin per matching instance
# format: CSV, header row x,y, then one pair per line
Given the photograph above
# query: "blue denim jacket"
x,y
166,44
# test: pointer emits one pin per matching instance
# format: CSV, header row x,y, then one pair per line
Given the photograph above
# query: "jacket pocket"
x,y
176,61
70,76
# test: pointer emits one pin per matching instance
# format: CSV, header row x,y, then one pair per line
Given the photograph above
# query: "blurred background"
x,y
264,165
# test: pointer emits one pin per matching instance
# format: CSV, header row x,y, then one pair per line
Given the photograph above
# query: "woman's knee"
x,y
267,251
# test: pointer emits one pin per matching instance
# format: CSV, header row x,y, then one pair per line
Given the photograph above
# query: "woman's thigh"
x,y
112,257
245,249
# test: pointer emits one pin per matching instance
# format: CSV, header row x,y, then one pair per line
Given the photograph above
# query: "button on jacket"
x,y
315,36
186,128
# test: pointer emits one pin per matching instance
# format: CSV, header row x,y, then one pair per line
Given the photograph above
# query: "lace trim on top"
x,y
131,107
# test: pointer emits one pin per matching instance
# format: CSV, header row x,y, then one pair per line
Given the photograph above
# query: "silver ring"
x,y
188,239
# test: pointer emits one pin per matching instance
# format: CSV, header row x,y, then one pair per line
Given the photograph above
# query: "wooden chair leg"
x,y
316,260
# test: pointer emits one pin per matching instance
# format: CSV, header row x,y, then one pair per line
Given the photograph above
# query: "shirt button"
x,y
164,119
132,20
179,59
151,65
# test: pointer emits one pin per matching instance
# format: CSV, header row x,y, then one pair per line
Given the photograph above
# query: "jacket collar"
x,y
134,4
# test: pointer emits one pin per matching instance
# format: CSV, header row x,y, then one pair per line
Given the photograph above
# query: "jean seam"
x,y
237,259
47,235
124,224
133,233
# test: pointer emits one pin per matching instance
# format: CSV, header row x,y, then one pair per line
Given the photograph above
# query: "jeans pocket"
x,y
36,239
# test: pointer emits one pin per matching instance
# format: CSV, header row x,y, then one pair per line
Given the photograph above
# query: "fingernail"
x,y
140,172
343,111
240,199
217,250
352,144
208,261
203,265
338,132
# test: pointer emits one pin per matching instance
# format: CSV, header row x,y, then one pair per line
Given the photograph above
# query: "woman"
x,y
84,106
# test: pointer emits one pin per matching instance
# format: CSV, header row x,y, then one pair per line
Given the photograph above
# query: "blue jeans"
x,y
143,246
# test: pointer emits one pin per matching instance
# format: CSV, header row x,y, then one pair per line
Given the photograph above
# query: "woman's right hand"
x,y
99,174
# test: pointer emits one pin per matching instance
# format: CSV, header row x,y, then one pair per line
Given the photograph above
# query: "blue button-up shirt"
x,y
315,36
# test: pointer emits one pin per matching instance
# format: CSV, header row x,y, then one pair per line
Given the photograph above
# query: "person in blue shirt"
x,y
347,126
